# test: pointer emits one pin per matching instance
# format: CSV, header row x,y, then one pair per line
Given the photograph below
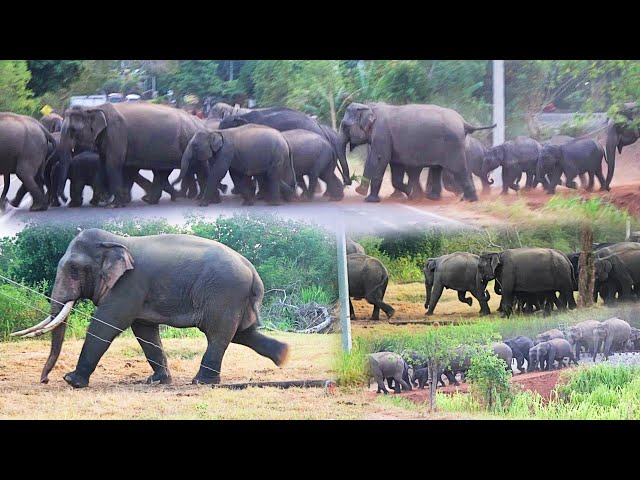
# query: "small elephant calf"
x,y
388,365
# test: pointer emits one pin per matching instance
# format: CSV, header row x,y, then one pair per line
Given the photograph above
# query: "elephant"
x,y
549,351
549,335
503,351
421,377
414,136
129,135
52,122
459,363
622,130
388,364
634,338
314,156
26,147
142,282
457,271
283,119
526,302
475,152
581,335
85,170
212,123
413,362
222,110
611,335
532,270
577,157
516,157
622,268
368,279
607,290
354,247
560,139
520,347
244,152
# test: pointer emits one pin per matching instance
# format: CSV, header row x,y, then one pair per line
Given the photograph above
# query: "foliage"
x,y
490,382
49,75
15,95
593,209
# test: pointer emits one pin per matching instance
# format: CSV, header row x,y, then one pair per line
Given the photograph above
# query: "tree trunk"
x,y
586,278
332,106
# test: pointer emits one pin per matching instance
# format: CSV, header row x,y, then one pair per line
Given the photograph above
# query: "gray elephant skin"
x,y
368,279
581,335
520,347
577,157
516,157
549,335
413,136
313,156
461,361
621,131
26,146
131,134
387,365
622,268
475,152
610,335
544,354
457,271
52,122
530,270
283,119
142,282
244,152
354,247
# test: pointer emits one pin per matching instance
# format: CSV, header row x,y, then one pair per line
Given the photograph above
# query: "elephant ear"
x,y
116,260
366,118
607,265
97,122
495,261
216,141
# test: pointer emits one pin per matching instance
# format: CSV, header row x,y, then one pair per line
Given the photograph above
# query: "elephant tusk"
x,y
61,317
32,329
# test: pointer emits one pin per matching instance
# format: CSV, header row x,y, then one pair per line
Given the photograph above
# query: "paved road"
x,y
359,217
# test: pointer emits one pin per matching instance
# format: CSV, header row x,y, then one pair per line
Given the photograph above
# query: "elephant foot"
x,y
282,356
55,203
38,207
397,194
203,203
374,318
483,314
336,198
235,191
428,313
150,200
391,313
273,203
159,379
306,198
202,380
94,203
15,204
75,204
432,196
372,199
75,380
362,190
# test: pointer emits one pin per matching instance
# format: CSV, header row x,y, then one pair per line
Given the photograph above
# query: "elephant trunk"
x,y
343,140
481,288
184,164
540,167
66,152
427,288
612,142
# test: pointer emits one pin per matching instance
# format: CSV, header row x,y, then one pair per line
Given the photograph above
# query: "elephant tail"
x,y
470,128
293,170
52,141
252,314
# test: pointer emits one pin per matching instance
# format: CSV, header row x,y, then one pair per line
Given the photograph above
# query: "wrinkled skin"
x,y
516,157
546,353
354,247
612,287
245,152
549,335
621,132
313,156
520,347
385,365
52,122
283,119
368,279
414,136
475,152
142,282
581,335
130,135
577,157
26,146
457,271
610,336
531,270
623,269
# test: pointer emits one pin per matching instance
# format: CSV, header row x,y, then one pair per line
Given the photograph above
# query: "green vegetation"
x,y
278,249
490,382
594,209
14,94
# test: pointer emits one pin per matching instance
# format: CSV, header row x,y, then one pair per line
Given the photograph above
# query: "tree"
x,y
15,96
586,278
51,75
273,80
197,77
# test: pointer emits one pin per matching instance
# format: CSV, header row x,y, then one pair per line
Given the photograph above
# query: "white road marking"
x,y
439,217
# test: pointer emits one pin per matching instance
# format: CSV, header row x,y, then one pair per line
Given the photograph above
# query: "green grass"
x,y
593,209
518,210
317,294
401,402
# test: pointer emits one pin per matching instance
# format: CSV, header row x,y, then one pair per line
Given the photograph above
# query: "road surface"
x,y
358,216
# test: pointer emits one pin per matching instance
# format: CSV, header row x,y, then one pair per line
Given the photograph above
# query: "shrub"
x,y
489,380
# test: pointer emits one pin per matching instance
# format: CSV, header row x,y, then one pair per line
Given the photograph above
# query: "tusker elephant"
x,y
52,122
457,271
388,365
532,270
414,136
556,349
611,335
581,335
520,347
142,282
622,130
549,335
26,147
129,135
368,279
283,119
622,269
244,152
354,247
516,157
314,156
577,157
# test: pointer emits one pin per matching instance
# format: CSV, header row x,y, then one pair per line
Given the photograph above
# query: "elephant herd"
x,y
268,152
408,369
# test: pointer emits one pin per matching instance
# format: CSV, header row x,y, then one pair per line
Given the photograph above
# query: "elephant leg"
x,y
303,186
592,180
268,347
335,188
519,362
217,343
160,177
484,306
415,189
116,181
313,184
375,315
22,191
397,180
374,189
601,179
463,299
352,314
77,188
436,293
39,198
380,381
435,183
507,302
148,336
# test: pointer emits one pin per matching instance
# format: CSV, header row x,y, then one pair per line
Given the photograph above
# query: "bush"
x,y
489,381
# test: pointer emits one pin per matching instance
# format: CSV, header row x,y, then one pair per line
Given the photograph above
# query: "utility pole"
x,y
498,102
343,287
230,70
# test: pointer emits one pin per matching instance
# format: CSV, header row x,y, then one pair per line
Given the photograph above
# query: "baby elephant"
x,y
544,354
388,365
368,279
520,347
83,171
548,335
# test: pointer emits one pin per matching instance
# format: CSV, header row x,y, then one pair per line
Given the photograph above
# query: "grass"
x,y
591,209
517,210
402,402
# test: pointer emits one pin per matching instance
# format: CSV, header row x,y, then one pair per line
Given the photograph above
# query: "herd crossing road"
x,y
358,216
